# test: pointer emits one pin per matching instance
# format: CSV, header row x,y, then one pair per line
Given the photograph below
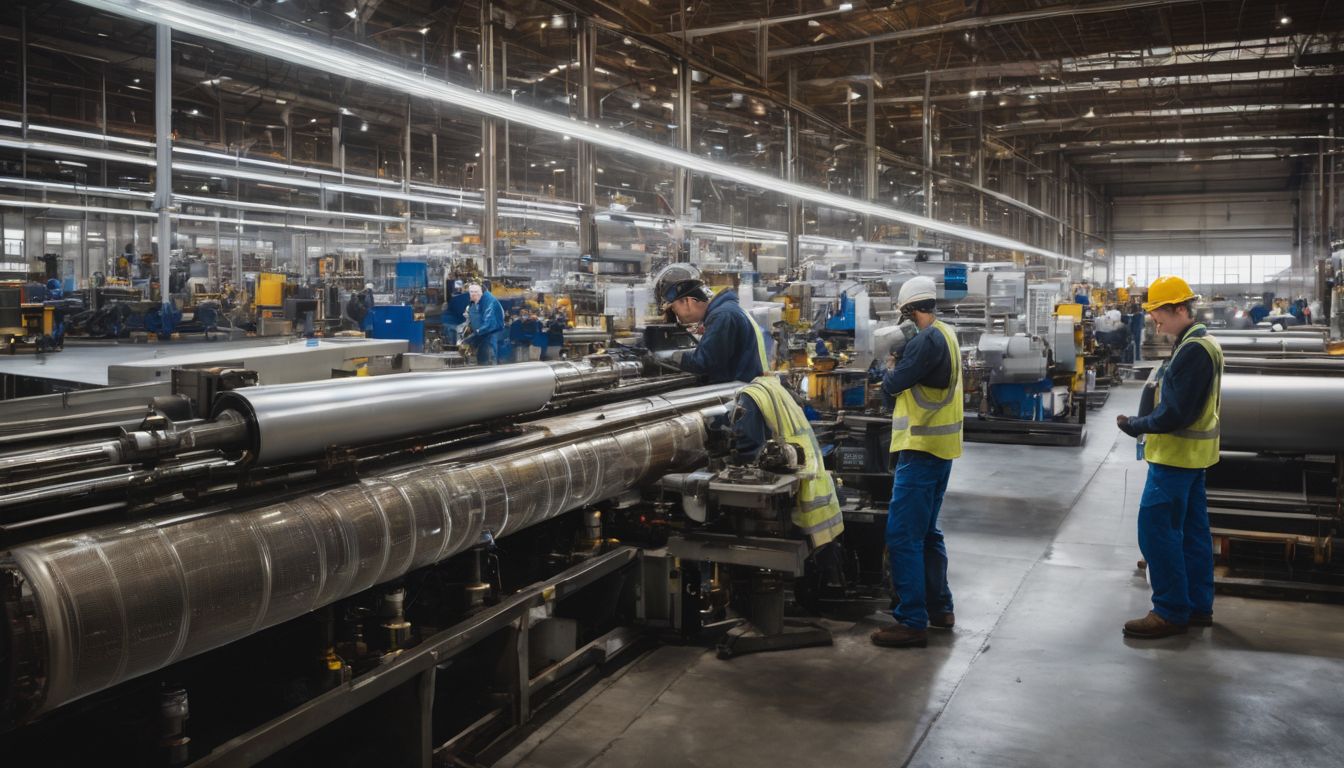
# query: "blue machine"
x,y
1021,401
844,319
397,321
955,281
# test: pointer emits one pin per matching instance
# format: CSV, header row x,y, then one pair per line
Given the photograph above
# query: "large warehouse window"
x,y
1201,270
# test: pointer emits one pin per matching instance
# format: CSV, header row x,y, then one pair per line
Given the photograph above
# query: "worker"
x,y
732,347
925,436
366,298
1136,324
486,318
355,311
555,335
765,409
1180,443
454,313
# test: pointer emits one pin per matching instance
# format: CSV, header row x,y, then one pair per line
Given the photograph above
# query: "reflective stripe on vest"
x,y
760,343
817,514
929,419
1196,446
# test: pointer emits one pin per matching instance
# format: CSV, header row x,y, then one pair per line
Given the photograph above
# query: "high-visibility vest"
x,y
818,512
760,343
929,419
1196,446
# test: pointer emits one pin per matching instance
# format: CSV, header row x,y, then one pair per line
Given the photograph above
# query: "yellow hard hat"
x,y
1168,289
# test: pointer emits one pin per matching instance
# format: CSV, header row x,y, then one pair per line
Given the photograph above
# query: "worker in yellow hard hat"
x,y
1180,441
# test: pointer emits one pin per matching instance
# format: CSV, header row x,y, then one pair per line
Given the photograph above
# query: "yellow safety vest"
x,y
1196,446
818,512
929,419
760,343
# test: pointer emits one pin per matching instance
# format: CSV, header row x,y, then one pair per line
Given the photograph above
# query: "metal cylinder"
x,y
1270,342
1284,414
116,602
293,421
1294,333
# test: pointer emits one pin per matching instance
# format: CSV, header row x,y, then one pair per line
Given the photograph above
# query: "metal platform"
x,y
1014,432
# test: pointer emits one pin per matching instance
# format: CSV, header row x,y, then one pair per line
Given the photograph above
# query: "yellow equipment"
x,y
270,289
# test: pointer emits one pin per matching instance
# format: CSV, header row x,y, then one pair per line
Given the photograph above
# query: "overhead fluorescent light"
x,y
255,38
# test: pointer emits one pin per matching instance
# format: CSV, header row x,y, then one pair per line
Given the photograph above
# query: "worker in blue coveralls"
x,y
486,318
732,347
925,436
1180,441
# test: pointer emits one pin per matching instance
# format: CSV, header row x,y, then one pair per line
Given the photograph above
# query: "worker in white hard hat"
x,y
926,437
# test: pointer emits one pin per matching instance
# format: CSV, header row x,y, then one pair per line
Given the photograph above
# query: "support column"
x,y
23,90
682,205
489,180
870,145
586,172
793,259
927,144
163,151
979,161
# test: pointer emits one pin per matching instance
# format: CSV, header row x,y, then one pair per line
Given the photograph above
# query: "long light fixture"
x,y
262,225
246,36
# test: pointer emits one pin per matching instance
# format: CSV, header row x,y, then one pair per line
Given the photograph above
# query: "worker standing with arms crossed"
x,y
1180,443
732,347
926,429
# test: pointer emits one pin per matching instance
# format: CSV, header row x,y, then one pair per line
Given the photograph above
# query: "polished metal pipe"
x,y
1293,333
1284,414
121,601
1270,342
293,421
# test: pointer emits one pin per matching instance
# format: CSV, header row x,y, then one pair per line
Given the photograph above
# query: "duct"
x,y
121,601
1286,414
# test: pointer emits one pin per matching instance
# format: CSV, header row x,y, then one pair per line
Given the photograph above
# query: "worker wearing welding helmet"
x,y
732,347
1179,442
925,436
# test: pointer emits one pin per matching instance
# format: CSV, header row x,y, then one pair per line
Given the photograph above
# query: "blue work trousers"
x,y
485,349
914,543
1175,541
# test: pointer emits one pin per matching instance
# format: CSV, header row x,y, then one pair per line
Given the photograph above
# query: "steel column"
x,y
489,145
926,146
682,205
870,144
163,150
586,172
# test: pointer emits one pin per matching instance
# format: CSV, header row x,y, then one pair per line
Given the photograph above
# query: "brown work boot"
x,y
1151,627
942,620
1201,619
900,636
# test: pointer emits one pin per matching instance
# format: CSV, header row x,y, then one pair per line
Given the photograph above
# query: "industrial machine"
x,y
230,573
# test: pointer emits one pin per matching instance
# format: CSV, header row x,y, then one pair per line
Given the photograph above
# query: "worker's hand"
x,y
1122,421
891,362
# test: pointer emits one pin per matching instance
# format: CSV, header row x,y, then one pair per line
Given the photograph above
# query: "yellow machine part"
x,y
270,289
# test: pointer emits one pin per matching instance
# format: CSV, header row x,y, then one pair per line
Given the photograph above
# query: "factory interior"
x,y
567,383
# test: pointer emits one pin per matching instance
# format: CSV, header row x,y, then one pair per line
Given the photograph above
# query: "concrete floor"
x,y
1036,673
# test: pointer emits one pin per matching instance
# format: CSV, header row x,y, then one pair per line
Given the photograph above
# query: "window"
x,y
1248,268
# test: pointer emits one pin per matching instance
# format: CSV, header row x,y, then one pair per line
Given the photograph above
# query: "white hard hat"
x,y
916,289
368,286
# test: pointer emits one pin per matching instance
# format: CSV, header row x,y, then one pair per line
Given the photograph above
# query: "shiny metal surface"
x,y
1291,414
124,600
300,420
1304,332
1270,342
